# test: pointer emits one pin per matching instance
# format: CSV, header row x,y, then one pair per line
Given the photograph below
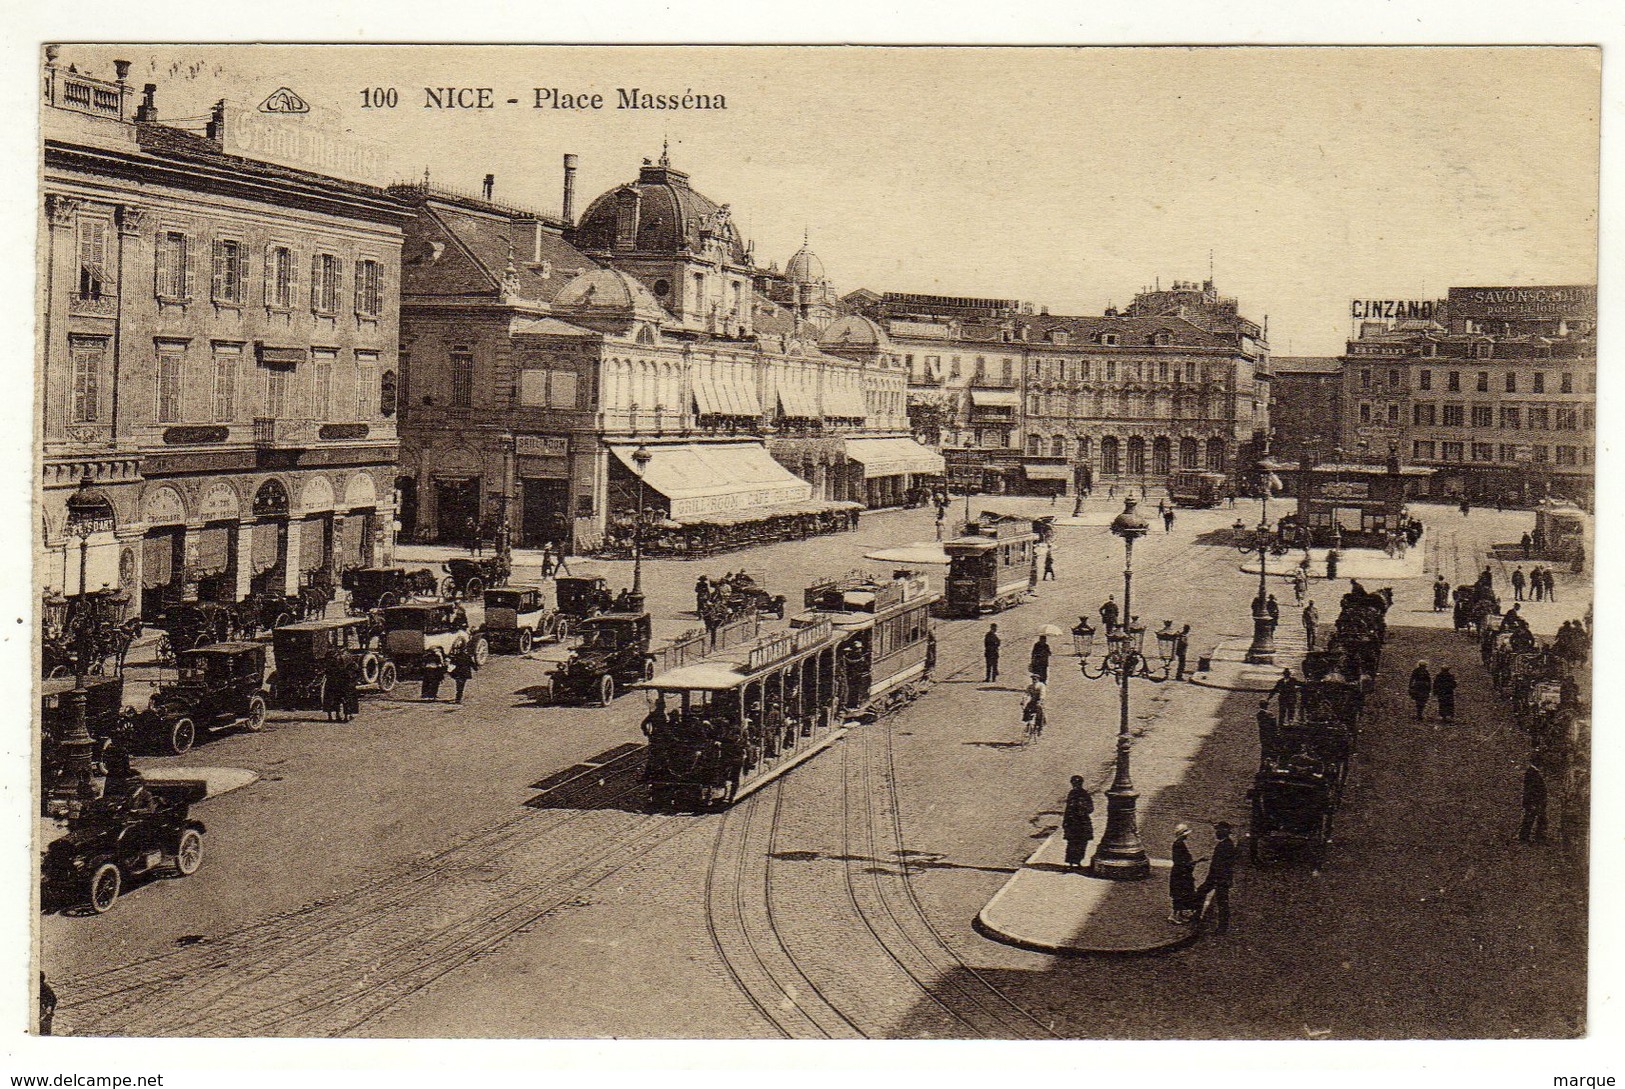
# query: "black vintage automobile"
x,y
197,624
421,633
613,653
219,687
308,652
517,618
380,587
742,593
581,596
136,829
468,578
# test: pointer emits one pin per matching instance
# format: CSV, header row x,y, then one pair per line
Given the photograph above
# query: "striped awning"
x,y
794,401
894,457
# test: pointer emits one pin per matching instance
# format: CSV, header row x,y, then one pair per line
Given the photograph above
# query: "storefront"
x,y
892,467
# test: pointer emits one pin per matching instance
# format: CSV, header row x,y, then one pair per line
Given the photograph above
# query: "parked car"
x,y
517,618
380,587
613,653
581,596
415,635
218,687
467,578
138,828
306,652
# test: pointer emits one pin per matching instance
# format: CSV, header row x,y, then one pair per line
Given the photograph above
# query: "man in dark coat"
x,y
1038,665
990,653
1444,690
462,671
1272,609
1311,624
1518,583
1550,584
1221,872
1528,544
1108,613
1182,649
1286,691
1076,824
1182,878
1441,594
1420,688
1533,828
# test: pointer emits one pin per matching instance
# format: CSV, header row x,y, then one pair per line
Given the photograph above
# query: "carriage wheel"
x,y
448,586
182,736
481,650
472,588
189,853
166,650
283,619
387,676
649,669
58,671
526,640
200,640
386,599
105,883
254,720
606,690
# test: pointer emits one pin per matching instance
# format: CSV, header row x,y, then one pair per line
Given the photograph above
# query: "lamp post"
x,y
1262,649
88,514
1121,856
641,457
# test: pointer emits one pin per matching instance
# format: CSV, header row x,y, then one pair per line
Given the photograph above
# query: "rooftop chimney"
x,y
569,189
148,110
216,129
489,186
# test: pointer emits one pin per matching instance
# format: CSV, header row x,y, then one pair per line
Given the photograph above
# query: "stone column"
x,y
189,550
290,563
244,565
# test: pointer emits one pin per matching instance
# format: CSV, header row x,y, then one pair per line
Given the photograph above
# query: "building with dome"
x,y
802,290
540,354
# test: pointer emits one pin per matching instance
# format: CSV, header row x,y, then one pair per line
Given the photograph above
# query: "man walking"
x,y
1038,663
1168,519
1182,647
990,653
1537,583
1441,594
1108,614
1272,609
1049,565
1550,584
1221,872
1077,827
1311,620
1286,692
1517,583
1420,688
1533,828
1444,690
462,670
1300,581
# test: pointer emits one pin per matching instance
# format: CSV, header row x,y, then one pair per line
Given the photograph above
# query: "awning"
x,y
894,457
267,547
995,398
702,478
774,510
1047,472
157,560
797,402
729,391
213,549
845,402
312,544
706,402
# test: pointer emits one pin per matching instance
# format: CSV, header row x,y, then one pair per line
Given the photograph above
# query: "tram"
x,y
993,566
1190,488
721,727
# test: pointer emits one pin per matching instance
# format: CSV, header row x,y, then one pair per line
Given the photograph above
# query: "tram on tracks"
x,y
724,726
991,567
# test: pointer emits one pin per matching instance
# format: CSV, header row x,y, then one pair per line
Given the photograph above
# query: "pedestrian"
x,y
1077,827
471,533
434,671
702,594
333,688
1182,647
1517,583
1182,878
1550,583
1444,690
1300,583
1049,565
462,670
1533,828
1332,557
942,514
1441,594
1486,579
1272,609
1111,491
1168,520
1285,692
1214,893
1311,621
1537,584
1465,506
990,653
1108,613
1528,544
1038,662
1032,708
930,654
1420,688
561,565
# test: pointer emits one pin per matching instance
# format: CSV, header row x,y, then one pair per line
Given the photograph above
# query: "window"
x,y
226,283
1162,372
85,401
1510,419
1451,451
276,390
1590,417
1424,380
1507,451
368,301
172,268
94,281
1566,420
1190,372
321,383
1566,455
1483,451
1109,339
1483,381
1393,414
1365,413
1393,379
226,361
1483,416
1512,382
1482,350
1539,380
1365,378
1567,385
1422,450
1453,416
1035,445
1057,446
324,283
367,396
279,278
462,378
1538,419
169,384
1453,382
1111,370
953,367
1539,453
1422,415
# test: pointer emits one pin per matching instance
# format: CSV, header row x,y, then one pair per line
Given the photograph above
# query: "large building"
x,y
1496,391
1306,403
218,345
543,353
1024,401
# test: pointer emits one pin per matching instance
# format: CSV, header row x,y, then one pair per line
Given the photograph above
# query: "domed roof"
x,y
853,331
664,216
805,267
609,291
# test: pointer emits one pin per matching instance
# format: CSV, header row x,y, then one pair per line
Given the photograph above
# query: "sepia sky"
x,y
1067,178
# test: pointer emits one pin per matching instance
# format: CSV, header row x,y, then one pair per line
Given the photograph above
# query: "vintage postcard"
x,y
814,543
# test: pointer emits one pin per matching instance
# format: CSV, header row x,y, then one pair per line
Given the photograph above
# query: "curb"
x,y
992,933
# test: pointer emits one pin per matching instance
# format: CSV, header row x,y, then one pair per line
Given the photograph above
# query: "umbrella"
x,y
1051,629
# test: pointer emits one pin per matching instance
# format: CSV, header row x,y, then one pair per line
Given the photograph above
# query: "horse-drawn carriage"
x,y
380,587
1293,799
468,578
1473,606
96,625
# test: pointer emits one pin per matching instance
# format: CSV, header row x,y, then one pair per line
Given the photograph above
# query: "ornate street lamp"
x,y
89,513
1121,856
641,457
1262,649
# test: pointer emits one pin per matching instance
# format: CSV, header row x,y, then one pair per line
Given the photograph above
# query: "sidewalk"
x,y
1232,672
1355,563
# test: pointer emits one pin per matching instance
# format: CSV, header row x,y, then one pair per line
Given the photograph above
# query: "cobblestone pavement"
x,y
837,902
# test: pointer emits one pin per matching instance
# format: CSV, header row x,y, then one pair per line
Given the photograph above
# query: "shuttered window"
x,y
279,277
325,270
226,282
172,269
86,360
226,363
368,302
94,281
170,362
321,384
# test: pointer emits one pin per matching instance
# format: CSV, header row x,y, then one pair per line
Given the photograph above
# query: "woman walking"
x,y
1420,688
1182,879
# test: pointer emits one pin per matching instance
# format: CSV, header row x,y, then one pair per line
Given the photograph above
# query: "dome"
x,y
609,291
657,213
853,331
805,267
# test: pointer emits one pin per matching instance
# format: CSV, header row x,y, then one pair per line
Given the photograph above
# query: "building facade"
x,y
218,344
1306,403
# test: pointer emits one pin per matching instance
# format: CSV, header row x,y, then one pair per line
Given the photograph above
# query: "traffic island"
x,y
1048,907
1352,563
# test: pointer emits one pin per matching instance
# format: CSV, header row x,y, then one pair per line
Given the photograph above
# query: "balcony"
x,y
76,91
96,306
283,433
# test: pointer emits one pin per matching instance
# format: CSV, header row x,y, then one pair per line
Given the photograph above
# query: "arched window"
x,y
1215,455
1161,461
1083,449
1189,453
1108,455
1136,456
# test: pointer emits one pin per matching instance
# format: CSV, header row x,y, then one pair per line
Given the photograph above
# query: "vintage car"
x,y
613,653
468,578
307,652
517,618
418,634
136,829
380,587
196,624
581,596
747,593
218,687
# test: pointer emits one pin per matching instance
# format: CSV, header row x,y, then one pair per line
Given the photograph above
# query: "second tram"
x,y
993,566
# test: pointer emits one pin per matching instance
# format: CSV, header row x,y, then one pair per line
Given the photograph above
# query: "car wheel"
x,y
182,735
649,669
526,640
606,690
564,626
387,676
481,650
369,669
254,720
387,599
473,587
189,852
104,885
